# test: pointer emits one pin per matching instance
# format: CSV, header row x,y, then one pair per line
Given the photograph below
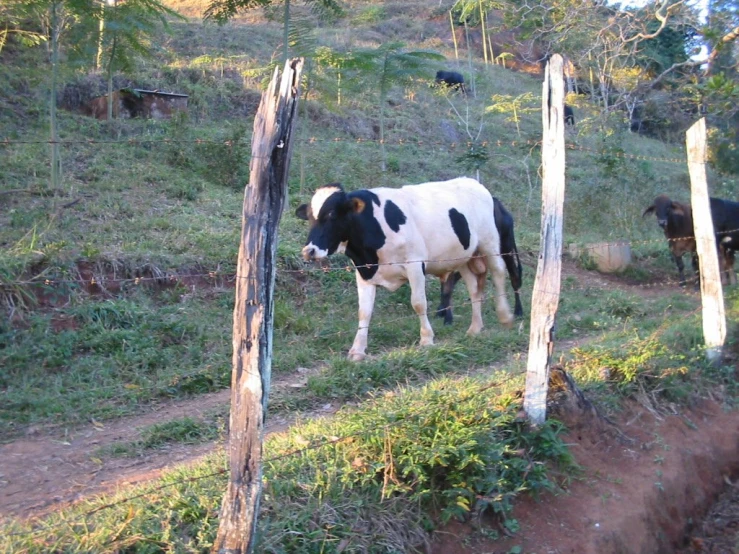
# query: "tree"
x,y
516,105
722,31
125,30
293,27
386,66
12,16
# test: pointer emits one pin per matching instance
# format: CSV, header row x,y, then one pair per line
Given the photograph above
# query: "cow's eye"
x,y
332,215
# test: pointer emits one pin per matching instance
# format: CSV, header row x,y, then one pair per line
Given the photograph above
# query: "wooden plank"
x,y
712,296
545,297
264,199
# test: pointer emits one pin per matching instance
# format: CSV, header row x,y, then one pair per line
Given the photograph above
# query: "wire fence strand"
x,y
452,146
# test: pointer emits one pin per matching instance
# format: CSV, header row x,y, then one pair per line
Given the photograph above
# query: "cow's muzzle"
x,y
309,253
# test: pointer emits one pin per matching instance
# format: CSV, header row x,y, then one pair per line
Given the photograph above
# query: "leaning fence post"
x,y
264,199
545,298
712,297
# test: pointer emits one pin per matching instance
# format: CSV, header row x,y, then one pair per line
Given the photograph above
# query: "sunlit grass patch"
x,y
378,477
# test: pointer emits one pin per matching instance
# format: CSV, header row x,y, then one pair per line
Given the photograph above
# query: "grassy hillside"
x,y
151,210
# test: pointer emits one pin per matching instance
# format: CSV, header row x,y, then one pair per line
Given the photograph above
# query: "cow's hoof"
x,y
356,356
427,341
472,331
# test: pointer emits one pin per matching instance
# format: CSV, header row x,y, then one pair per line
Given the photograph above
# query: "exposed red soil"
x,y
635,497
719,532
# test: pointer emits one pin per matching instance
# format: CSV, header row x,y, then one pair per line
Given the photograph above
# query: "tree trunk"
x,y
56,162
101,36
454,37
264,199
286,32
484,35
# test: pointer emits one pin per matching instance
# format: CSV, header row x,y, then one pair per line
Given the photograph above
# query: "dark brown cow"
x,y
676,220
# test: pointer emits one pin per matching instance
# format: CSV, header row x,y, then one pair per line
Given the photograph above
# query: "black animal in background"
x,y
451,79
676,220
569,115
509,252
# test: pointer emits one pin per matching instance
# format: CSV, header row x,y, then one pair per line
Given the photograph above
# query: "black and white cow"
x,y
504,223
396,236
452,79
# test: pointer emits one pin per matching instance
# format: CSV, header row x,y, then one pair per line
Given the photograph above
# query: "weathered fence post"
x,y
545,298
712,297
264,199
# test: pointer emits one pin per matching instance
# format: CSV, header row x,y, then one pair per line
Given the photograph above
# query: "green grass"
x,y
378,477
166,197
404,454
185,430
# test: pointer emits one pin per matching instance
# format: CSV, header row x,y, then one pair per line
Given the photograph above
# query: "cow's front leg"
x,y
417,281
366,293
680,268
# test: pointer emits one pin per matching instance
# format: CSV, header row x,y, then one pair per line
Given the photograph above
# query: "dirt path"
x,y
46,469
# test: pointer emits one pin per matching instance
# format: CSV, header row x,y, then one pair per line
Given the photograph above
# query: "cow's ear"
x,y
302,212
357,205
649,210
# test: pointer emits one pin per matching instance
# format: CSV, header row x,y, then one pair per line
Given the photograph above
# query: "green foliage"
x,y
99,359
369,15
474,157
129,29
515,106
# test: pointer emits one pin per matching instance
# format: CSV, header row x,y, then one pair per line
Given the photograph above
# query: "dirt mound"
x,y
636,497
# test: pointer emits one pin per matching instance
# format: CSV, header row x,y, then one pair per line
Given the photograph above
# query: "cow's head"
x,y
329,214
663,208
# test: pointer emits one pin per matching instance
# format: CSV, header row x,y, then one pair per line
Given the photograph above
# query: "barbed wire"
x,y
174,277
268,460
498,382
175,380
453,146
319,335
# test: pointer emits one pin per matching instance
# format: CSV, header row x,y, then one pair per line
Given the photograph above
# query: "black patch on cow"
x,y
461,227
365,235
394,216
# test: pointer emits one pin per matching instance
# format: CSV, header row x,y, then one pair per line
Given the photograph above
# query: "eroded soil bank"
x,y
632,497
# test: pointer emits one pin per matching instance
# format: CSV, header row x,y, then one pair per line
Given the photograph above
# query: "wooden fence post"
x,y
264,199
712,297
545,298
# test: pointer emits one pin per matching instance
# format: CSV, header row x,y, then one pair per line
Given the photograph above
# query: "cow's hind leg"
x,y
475,283
729,254
366,293
445,305
417,281
498,271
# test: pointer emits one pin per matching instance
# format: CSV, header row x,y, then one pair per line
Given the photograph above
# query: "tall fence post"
x,y
712,297
545,298
264,199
